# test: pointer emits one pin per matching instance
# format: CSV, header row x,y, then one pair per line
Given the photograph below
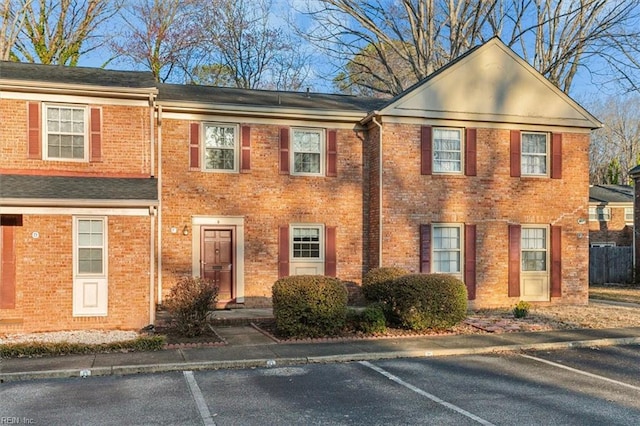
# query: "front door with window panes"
x,y
307,256
534,281
90,267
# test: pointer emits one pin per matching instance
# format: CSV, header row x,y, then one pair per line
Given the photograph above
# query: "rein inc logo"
x,y
16,421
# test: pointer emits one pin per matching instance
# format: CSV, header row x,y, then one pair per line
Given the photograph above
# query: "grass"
x,y
616,293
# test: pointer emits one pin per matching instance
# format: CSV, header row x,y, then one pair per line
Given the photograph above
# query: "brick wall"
x,y
615,230
492,200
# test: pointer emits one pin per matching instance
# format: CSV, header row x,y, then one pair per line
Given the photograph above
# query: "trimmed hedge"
x,y
429,301
370,320
309,306
377,283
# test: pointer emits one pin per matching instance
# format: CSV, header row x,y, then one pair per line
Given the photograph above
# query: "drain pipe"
x,y
152,214
159,107
379,190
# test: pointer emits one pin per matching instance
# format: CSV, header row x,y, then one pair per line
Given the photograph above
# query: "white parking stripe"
x,y
584,373
198,398
426,394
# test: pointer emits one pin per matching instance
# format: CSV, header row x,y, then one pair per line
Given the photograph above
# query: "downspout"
x,y
159,204
151,132
379,191
152,219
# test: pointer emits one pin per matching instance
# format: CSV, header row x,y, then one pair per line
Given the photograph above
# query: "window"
x,y
534,154
306,242
447,252
628,215
534,249
447,150
220,147
604,244
90,247
65,132
308,151
602,214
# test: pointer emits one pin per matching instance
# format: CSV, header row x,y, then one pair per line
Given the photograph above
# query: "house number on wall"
x,y
35,234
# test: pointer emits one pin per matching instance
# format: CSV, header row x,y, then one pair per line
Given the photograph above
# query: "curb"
x,y
324,359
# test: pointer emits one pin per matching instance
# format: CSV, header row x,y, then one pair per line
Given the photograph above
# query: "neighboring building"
x,y
480,170
610,215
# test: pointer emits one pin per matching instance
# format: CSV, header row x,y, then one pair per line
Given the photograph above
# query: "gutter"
x,y
79,89
70,202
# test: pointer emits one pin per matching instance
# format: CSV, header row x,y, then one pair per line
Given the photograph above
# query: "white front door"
x,y
90,288
534,276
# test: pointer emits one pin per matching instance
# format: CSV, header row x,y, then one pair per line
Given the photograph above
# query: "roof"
x,y
266,98
605,194
27,187
75,75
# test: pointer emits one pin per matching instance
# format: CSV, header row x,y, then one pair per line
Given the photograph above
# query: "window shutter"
x,y
284,151
515,153
34,140
194,146
556,156
330,261
95,137
283,251
470,260
8,263
470,153
514,260
245,154
332,153
556,261
425,249
426,160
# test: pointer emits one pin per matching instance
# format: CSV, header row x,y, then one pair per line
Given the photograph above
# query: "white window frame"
x,y
546,249
599,214
603,244
435,168
546,155
236,148
45,131
82,280
459,250
629,219
292,156
307,263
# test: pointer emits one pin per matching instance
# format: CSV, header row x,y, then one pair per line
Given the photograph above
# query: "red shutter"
x,y
425,249
470,260
95,138
556,261
332,153
426,155
470,153
330,260
283,251
194,146
284,151
515,153
556,156
245,156
8,264
34,140
514,260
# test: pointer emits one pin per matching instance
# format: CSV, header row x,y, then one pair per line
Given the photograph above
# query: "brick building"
x,y
480,170
610,215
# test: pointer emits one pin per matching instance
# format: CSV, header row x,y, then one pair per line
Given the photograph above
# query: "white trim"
x,y
307,264
462,150
236,148
67,211
460,227
98,280
276,120
545,275
547,155
197,222
323,151
45,131
97,98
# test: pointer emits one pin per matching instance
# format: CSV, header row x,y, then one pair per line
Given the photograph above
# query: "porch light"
x,y
185,230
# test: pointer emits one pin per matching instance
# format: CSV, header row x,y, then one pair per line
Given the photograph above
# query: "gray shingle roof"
x,y
610,194
266,98
76,75
77,188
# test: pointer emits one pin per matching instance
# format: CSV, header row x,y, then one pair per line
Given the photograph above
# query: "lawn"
x,y
617,293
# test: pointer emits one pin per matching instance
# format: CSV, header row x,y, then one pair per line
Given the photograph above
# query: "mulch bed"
x,y
175,339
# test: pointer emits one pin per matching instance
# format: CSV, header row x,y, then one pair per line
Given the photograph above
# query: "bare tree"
x,y
415,37
60,31
12,16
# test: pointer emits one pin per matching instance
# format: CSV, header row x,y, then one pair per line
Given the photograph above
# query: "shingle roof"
x,y
77,188
266,98
610,194
75,75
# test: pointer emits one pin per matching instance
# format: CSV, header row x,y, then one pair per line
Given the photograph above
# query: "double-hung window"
x,y
534,154
628,215
601,214
447,150
307,242
220,147
308,151
534,249
65,132
447,249
90,246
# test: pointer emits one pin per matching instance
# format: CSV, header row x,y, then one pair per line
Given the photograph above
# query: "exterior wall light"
x,y
185,230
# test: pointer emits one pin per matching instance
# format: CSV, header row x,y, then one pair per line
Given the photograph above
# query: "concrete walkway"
x,y
246,347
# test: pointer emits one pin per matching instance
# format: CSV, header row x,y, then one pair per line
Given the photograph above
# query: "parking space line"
x,y
205,414
426,394
584,373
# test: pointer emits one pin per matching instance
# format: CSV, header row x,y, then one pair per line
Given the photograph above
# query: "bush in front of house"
x,y
377,283
309,306
429,301
370,320
189,304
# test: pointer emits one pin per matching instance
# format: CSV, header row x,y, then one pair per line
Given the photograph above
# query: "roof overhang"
x,y
25,86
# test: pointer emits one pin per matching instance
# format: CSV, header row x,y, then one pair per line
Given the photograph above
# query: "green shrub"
x,y
376,284
309,306
189,304
370,320
429,301
521,310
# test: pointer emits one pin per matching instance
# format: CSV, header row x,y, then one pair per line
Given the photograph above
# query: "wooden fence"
x,y
610,265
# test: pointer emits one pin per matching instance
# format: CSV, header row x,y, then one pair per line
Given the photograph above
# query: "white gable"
x,y
492,84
